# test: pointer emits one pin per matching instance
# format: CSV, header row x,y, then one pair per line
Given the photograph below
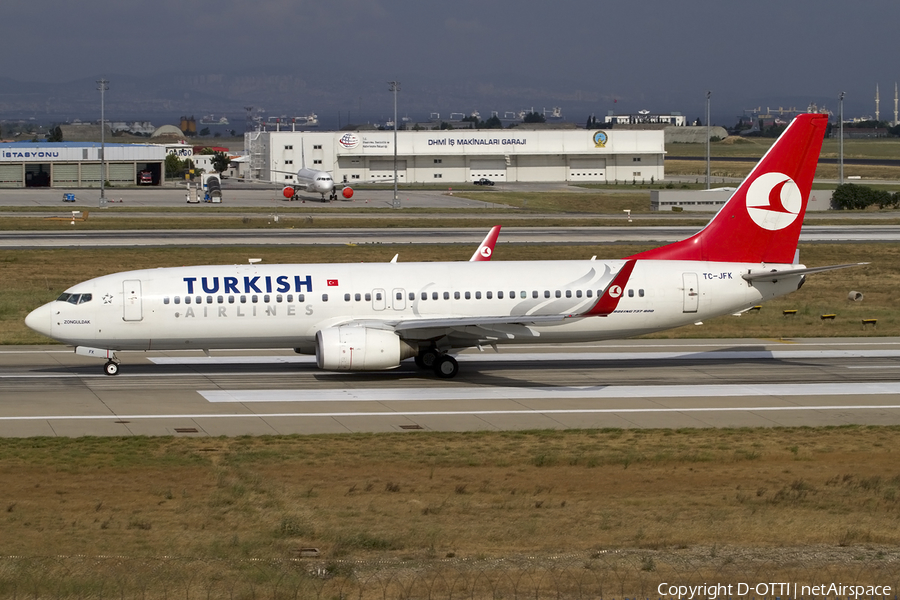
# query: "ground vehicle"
x,y
145,178
483,181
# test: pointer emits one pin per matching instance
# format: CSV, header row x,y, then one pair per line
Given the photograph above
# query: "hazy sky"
x,y
656,54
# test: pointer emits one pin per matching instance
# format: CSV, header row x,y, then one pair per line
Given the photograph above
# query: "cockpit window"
x,y
74,298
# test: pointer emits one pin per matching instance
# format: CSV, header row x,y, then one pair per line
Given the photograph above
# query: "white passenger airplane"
x,y
359,317
312,180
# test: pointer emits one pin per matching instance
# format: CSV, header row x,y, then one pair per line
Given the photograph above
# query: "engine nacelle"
x,y
288,192
347,192
351,348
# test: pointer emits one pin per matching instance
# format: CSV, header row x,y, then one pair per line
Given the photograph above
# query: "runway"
x,y
49,391
299,237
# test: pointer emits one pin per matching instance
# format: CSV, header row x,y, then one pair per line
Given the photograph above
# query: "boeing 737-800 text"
x,y
359,317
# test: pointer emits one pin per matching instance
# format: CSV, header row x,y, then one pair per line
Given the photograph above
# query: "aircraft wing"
x,y
504,325
776,275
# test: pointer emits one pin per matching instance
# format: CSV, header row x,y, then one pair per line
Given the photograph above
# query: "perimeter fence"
x,y
625,575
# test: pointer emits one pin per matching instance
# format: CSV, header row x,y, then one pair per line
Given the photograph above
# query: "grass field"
x,y
33,277
686,503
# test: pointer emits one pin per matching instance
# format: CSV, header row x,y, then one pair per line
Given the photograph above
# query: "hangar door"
x,y
381,170
587,169
120,173
490,168
65,174
12,176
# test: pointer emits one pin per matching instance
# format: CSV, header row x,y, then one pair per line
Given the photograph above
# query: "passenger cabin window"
x,y
300,298
489,295
456,295
177,299
166,300
468,295
446,295
434,295
478,295
346,297
324,297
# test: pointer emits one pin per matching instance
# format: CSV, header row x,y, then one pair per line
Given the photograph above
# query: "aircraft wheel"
x,y
426,358
446,367
111,368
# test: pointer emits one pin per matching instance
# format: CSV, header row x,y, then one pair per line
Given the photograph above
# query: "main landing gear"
x,y
111,368
443,365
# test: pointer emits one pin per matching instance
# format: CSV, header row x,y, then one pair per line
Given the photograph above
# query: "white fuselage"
x,y
266,306
319,182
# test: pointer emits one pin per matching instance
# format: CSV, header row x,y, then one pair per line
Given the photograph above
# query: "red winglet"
x,y
609,300
486,249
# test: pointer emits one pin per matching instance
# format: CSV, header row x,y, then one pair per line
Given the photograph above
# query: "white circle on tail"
x,y
615,291
774,201
485,251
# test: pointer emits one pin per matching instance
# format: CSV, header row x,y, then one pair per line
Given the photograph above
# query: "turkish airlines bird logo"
x,y
774,201
485,251
615,291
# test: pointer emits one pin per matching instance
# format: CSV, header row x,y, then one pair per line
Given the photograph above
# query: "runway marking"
x,y
547,393
565,356
441,413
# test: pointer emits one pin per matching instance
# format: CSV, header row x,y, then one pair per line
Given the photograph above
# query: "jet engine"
x,y
349,348
347,192
288,192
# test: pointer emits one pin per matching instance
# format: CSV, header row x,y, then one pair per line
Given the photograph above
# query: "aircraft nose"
x,y
41,319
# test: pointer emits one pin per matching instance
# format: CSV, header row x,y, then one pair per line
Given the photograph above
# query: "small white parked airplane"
x,y
315,181
358,317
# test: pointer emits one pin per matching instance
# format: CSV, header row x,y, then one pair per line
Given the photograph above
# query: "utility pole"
x,y
103,87
708,94
395,87
841,142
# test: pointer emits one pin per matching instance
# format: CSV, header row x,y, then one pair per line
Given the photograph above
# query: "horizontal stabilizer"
x,y
776,275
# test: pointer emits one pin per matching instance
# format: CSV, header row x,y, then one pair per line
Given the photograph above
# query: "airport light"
x,y
103,87
395,87
708,94
841,142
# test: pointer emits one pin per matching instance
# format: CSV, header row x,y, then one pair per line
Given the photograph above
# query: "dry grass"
x,y
425,495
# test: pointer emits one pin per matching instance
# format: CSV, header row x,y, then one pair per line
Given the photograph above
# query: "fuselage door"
x,y
399,300
131,289
691,292
378,299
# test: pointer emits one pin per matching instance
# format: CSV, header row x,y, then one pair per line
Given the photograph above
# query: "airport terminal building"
x,y
461,155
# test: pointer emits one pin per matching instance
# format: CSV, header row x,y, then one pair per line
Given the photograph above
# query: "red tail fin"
x,y
762,219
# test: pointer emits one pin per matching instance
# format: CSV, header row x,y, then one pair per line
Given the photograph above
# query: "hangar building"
x,y
77,164
462,155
